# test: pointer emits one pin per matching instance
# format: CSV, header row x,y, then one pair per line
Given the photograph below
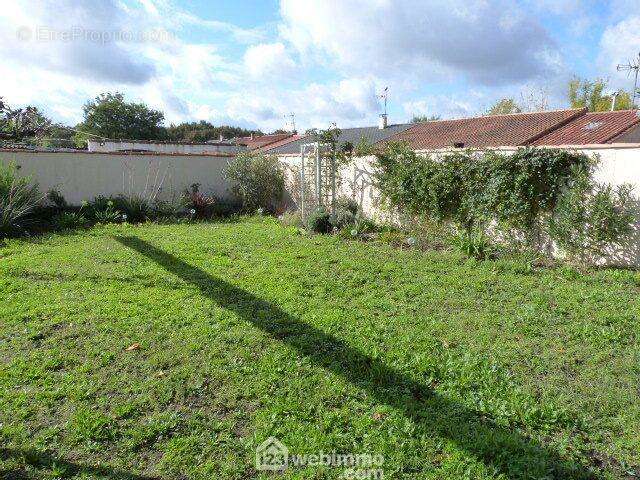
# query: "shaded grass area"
x,y
448,368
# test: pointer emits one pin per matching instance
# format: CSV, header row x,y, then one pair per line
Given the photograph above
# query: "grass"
x,y
449,368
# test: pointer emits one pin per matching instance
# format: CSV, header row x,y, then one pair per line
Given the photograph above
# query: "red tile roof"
x,y
490,131
256,142
280,143
592,128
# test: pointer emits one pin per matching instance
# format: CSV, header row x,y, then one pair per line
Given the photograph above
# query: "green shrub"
x,y
18,199
134,208
57,199
257,180
526,197
348,204
320,221
343,218
290,219
102,210
198,204
591,218
472,190
170,209
474,244
69,221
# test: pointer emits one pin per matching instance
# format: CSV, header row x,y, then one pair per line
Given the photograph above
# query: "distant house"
x,y
552,128
255,142
348,136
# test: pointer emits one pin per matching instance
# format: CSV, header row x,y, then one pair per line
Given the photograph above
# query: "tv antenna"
x,y
632,67
384,95
292,116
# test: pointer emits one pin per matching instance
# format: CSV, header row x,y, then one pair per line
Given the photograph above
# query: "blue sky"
x,y
251,63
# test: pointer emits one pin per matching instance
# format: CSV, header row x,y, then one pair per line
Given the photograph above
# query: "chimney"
x,y
252,136
383,121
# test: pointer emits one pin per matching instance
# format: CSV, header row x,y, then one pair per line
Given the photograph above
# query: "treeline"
x,y
107,116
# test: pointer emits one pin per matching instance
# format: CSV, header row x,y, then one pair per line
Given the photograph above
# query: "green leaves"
x,y
529,194
258,180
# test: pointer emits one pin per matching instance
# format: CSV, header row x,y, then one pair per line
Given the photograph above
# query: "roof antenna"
x,y
383,117
632,67
384,95
292,116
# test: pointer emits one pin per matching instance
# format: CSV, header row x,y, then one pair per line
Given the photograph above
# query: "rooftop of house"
x,y
280,143
259,141
592,128
353,136
489,131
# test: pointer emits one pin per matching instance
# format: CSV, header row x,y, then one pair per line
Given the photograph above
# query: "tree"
x,y
22,124
204,131
504,106
424,118
110,116
585,93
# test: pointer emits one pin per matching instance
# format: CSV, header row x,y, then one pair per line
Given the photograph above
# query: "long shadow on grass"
x,y
505,450
41,460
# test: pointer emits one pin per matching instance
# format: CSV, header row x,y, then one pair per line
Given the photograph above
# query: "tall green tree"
x,y
591,94
110,116
504,106
23,125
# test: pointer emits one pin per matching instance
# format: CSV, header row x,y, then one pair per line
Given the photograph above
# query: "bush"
x,y
474,190
69,221
198,204
258,180
591,218
320,221
134,208
169,209
475,244
526,198
102,210
18,199
290,219
343,218
348,204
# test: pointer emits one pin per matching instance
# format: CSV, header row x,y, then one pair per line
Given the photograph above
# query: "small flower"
x,y
192,211
109,203
124,217
260,211
354,233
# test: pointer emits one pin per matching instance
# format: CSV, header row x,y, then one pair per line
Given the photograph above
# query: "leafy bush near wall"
x,y
320,221
18,199
592,218
257,180
523,194
197,203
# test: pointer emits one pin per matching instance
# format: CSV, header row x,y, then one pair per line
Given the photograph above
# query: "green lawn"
x,y
447,367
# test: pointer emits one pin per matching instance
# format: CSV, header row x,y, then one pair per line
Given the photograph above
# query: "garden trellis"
x,y
317,177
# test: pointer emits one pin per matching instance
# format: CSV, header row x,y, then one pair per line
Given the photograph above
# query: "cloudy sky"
x,y
252,62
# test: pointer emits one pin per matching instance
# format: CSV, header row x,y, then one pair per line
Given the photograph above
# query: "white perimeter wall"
x,y
618,164
82,176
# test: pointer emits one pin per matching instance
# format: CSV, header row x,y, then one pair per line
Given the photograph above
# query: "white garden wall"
x,y
82,176
619,163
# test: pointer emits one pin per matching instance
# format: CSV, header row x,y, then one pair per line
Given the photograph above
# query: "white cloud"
x,y
268,60
620,43
487,41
